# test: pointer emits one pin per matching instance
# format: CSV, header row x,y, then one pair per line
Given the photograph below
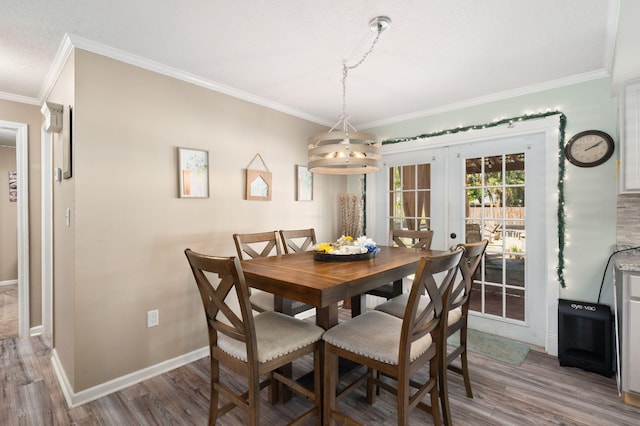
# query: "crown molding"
x,y
71,41
494,97
18,98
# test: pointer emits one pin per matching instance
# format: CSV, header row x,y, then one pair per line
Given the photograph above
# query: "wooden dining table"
x,y
324,284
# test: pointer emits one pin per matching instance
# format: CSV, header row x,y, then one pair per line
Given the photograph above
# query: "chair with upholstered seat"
x,y
395,349
458,307
457,318
409,239
253,346
262,244
297,240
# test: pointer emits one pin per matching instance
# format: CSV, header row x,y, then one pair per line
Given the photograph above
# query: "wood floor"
x,y
8,311
538,392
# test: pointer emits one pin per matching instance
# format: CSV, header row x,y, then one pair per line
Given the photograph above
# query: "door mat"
x,y
496,347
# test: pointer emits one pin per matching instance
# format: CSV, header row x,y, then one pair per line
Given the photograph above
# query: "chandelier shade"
x,y
339,152
348,151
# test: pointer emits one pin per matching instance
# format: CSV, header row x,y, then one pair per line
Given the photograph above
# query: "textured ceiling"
x,y
288,53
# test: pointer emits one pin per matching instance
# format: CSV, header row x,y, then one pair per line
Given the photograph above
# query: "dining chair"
x,y
252,346
297,240
458,318
394,348
409,239
263,244
457,306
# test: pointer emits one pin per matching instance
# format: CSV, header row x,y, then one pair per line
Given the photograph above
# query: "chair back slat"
x,y
258,244
222,316
473,253
433,275
297,240
412,239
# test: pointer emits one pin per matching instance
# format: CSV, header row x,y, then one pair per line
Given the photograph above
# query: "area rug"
x,y
496,347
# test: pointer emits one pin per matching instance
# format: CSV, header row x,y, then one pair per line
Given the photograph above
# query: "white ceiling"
x,y
288,54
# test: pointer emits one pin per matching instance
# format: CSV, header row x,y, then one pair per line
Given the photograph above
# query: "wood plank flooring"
x,y
538,392
8,311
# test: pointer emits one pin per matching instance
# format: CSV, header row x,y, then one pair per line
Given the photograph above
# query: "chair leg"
x,y
317,382
254,400
464,363
213,395
330,368
403,399
465,373
443,391
435,368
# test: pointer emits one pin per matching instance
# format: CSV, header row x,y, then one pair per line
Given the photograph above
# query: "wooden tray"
x,y
326,257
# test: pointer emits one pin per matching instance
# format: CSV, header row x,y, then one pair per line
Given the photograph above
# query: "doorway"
x,y
20,131
497,184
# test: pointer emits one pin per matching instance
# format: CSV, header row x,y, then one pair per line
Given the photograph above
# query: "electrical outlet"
x,y
153,318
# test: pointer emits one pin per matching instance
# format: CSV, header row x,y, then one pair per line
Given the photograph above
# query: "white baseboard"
x,y
78,398
8,282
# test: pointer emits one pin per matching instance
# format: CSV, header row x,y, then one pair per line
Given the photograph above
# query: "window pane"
x,y
515,304
515,169
493,300
493,171
474,172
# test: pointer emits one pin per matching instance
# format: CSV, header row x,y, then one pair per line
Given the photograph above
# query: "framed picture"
x,y
13,186
258,185
305,183
193,173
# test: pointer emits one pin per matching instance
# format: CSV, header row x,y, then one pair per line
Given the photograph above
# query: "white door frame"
x,y
47,232
22,169
549,126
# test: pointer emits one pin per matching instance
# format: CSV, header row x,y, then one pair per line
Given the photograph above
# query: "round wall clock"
x,y
589,148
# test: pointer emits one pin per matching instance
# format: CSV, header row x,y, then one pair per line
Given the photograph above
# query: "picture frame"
x,y
258,186
68,150
193,173
304,180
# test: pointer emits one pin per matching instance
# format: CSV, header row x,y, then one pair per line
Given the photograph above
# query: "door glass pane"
x,y
495,210
410,197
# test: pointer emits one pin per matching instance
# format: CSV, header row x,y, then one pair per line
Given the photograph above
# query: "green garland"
x,y
561,168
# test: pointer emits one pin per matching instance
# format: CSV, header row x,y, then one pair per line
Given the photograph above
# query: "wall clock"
x,y
589,148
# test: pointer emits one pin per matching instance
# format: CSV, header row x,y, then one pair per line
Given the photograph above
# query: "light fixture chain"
x,y
345,72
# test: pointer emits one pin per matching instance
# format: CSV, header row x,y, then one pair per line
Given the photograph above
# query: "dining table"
x,y
324,284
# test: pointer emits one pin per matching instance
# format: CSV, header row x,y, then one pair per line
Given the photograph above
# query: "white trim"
x,y
8,282
71,41
494,97
47,231
547,125
75,399
22,168
35,331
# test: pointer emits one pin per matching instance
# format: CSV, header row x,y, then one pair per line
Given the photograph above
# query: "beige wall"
x,y
129,228
30,115
8,218
64,297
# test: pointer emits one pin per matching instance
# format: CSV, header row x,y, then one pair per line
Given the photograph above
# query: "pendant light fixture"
x,y
344,150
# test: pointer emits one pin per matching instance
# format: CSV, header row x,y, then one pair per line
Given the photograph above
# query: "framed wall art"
x,y
304,179
193,173
258,187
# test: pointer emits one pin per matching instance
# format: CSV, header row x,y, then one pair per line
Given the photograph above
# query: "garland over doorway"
x,y
561,166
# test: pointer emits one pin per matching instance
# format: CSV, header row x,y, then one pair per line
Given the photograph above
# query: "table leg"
x,y
358,305
327,317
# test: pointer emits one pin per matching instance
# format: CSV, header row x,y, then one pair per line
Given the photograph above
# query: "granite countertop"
x,y
628,260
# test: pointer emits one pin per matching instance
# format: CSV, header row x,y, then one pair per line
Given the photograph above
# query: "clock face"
x,y
589,148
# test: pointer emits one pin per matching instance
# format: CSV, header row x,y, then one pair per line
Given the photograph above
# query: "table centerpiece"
x,y
346,249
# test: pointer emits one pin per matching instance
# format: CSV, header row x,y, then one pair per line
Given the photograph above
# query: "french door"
x,y
493,189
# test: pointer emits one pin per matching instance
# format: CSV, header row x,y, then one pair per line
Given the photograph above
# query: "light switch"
x,y
68,217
